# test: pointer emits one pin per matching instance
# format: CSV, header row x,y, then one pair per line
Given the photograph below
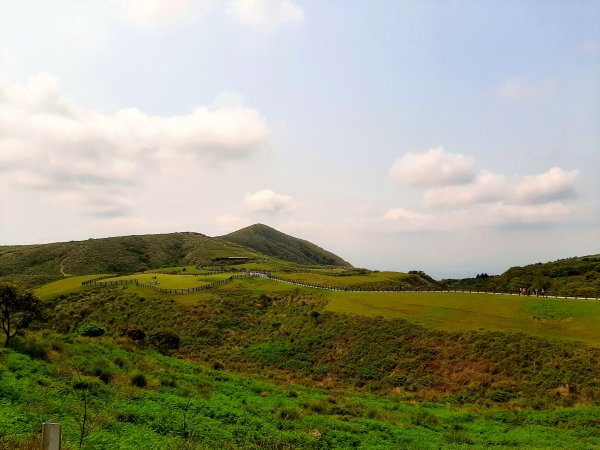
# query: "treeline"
x,y
579,276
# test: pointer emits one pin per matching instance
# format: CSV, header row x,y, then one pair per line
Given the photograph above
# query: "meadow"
x,y
136,397
266,364
539,316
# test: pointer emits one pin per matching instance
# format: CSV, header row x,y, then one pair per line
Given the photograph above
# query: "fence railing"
x,y
269,276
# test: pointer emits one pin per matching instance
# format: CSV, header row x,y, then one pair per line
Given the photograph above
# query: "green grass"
x,y
335,279
548,317
225,410
64,286
167,281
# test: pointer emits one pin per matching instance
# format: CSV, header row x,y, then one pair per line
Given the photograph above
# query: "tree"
x,y
17,310
165,341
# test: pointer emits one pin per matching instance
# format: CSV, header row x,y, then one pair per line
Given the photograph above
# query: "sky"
x,y
453,137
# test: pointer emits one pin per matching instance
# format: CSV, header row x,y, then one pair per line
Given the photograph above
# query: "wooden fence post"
x,y
51,435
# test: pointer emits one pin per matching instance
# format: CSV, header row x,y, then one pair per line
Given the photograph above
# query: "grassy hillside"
x,y
573,276
137,398
269,241
252,328
31,264
265,364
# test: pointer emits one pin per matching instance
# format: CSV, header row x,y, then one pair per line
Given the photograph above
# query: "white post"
x,y
51,435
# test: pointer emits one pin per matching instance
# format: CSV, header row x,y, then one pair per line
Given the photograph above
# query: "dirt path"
x,y
62,269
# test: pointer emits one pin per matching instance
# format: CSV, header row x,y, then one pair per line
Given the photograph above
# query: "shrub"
x,y
139,380
32,349
165,341
133,332
91,330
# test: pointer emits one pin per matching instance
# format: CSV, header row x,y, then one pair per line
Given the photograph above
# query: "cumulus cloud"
x,y
522,88
460,199
495,214
48,141
555,184
265,15
164,15
486,187
267,201
435,167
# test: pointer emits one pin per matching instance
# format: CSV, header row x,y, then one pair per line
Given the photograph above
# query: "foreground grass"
x,y
185,405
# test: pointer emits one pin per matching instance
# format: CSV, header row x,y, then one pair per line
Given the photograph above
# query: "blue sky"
x,y
453,137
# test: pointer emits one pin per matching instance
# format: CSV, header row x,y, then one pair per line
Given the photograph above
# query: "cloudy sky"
x,y
454,137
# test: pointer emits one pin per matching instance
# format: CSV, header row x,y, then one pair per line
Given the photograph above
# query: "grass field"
x,y
167,281
64,286
333,279
548,317
556,318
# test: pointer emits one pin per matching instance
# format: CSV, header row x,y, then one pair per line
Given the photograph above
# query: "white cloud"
x,y
432,168
485,200
522,88
265,15
497,214
554,184
485,187
48,141
267,201
164,16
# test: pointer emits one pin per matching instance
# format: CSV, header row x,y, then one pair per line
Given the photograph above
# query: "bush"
x,y
139,380
32,349
91,330
165,341
133,332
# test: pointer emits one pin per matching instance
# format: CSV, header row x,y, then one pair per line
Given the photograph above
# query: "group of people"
x,y
536,292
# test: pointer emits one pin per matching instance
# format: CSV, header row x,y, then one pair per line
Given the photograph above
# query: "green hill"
x,y
269,241
572,276
35,264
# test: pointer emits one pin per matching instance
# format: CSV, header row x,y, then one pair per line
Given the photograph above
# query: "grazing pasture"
x,y
549,317
64,286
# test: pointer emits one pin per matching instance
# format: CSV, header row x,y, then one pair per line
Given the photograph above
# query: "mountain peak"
x,y
269,241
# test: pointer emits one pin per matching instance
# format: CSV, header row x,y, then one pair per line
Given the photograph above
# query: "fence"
x,y
269,276
214,284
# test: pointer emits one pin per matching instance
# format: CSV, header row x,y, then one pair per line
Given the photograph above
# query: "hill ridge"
x,y
268,240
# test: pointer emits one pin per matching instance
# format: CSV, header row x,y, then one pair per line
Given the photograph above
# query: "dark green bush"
x,y
91,330
34,350
139,380
165,341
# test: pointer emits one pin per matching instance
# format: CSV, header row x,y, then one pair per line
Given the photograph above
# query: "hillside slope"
x,y
269,241
35,264
571,276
